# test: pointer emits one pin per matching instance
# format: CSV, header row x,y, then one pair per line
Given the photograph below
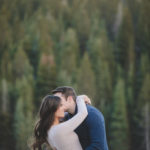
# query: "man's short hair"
x,y
66,91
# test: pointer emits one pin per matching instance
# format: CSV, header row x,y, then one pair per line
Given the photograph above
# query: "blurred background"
x,y
99,47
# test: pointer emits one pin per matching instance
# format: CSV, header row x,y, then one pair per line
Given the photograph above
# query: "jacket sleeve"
x,y
96,125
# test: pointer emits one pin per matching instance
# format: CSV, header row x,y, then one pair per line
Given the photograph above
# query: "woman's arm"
x,y
75,121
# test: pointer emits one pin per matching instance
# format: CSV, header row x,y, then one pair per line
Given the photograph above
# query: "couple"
x,y
82,128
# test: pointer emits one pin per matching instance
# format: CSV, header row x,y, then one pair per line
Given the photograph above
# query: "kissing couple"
x,y
69,122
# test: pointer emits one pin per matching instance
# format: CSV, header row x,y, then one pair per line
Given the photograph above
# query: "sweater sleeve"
x,y
75,121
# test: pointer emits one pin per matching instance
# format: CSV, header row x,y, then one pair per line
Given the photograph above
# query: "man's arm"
x,y
96,125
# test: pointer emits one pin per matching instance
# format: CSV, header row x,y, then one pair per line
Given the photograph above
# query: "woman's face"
x,y
60,111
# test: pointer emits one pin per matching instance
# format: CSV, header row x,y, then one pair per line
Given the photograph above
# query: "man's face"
x,y
63,100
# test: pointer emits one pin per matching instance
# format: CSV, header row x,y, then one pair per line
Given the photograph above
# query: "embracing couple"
x,y
81,128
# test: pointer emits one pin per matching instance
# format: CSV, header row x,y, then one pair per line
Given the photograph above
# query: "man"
x,y
91,132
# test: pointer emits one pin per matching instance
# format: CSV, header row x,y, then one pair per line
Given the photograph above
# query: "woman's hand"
x,y
86,99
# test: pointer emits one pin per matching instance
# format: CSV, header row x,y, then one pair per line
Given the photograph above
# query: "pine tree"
x,y
23,125
125,42
21,65
5,29
6,131
130,69
5,102
5,117
144,106
143,102
24,86
86,79
46,79
20,133
119,124
69,58
32,48
143,27
6,66
102,60
137,103
108,11
4,96
81,22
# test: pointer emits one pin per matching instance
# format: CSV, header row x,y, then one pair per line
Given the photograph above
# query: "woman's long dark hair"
x,y
47,111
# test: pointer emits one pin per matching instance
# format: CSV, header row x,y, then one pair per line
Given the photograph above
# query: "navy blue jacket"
x,y
91,132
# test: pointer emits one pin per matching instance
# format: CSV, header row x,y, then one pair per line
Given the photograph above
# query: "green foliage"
x,y
86,78
6,66
125,41
145,90
119,123
144,106
103,65
68,60
4,96
143,27
46,79
21,65
6,138
23,117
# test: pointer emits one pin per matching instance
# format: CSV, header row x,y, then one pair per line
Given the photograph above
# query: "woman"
x,y
60,136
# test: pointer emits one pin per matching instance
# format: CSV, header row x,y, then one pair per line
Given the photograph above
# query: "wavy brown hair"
x,y
47,111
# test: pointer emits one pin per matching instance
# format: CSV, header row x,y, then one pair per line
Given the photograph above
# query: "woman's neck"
x,y
56,121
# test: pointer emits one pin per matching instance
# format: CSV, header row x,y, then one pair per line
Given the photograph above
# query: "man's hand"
x,y
86,99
